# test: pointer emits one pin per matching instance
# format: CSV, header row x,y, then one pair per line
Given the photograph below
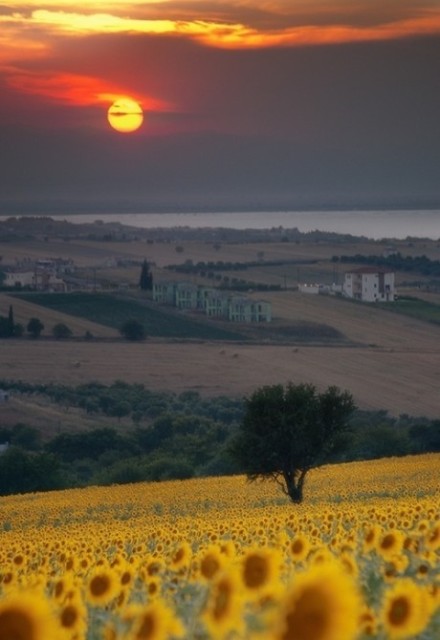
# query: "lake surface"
x,y
372,224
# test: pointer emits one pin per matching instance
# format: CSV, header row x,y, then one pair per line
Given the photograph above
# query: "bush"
x,y
35,327
61,331
133,330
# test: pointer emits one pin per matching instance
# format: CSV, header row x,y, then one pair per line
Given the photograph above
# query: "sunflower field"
x,y
222,558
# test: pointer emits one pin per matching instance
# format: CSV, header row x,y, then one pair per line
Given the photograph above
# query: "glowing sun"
x,y
125,115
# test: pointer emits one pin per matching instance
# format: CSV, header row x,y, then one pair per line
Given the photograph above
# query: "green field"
x,y
415,308
113,311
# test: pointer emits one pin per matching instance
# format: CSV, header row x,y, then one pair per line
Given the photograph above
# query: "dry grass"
x,y
402,381
360,323
94,253
52,419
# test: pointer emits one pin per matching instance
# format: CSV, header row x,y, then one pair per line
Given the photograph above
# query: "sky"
x,y
247,104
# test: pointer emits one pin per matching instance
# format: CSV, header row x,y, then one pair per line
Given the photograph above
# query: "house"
x,y
313,289
46,281
19,279
370,284
39,279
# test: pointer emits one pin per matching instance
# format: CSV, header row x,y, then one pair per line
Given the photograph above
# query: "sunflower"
x,y
211,562
72,617
153,587
405,611
368,622
222,613
390,544
155,622
181,556
322,604
300,548
432,540
371,537
26,616
102,586
258,570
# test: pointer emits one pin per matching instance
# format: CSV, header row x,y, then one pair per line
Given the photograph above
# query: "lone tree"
x,y
286,431
133,330
146,277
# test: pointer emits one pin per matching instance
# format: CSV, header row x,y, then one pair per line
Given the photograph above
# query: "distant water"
x,y
372,224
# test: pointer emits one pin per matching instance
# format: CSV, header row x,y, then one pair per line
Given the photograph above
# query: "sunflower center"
x,y
16,625
146,630
209,566
126,577
309,618
69,616
222,600
255,571
399,611
297,547
99,585
388,541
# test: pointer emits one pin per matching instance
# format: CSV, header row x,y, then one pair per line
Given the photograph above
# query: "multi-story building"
x,y
214,302
370,284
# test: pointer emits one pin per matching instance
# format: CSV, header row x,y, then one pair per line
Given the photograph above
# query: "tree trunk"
x,y
295,485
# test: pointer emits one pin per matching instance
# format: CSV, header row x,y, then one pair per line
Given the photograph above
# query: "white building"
x,y
242,309
164,292
216,303
370,284
213,302
185,295
19,279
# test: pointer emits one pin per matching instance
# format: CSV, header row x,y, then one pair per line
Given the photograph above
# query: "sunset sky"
x,y
247,103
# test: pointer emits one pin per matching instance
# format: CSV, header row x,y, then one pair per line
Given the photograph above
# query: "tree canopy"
x,y
286,431
61,331
133,330
35,327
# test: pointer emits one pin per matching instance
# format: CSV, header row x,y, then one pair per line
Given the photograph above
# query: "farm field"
x,y
93,252
113,311
221,558
24,310
390,361
400,381
387,360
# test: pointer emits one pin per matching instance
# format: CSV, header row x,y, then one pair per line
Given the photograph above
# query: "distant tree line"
x,y
131,329
167,436
11,329
170,437
219,265
419,264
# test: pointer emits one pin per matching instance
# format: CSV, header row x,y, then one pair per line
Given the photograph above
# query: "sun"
x,y
125,115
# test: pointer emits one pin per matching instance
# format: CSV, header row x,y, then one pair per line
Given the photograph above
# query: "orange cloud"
x,y
314,27
77,90
29,33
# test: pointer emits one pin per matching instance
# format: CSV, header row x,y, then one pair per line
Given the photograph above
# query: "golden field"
x,y
223,558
